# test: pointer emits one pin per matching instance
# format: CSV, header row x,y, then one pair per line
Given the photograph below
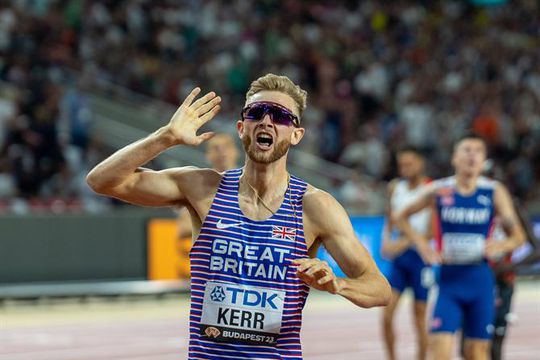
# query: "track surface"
x,y
149,329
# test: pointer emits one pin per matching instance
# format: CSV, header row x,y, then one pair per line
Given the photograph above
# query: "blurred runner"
x,y
505,276
222,155
408,270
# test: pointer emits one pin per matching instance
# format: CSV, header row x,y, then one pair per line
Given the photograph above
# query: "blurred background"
x,y
80,79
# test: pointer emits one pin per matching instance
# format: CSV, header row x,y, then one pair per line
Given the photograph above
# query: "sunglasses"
x,y
278,114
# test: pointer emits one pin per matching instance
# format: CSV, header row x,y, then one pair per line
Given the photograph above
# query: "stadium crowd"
x,y
379,75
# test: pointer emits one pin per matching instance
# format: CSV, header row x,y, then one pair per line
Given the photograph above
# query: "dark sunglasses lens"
x,y
254,112
278,115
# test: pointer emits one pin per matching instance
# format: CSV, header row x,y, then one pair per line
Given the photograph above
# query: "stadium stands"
x,y
379,75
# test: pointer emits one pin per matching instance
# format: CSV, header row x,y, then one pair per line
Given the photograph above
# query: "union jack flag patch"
x,y
283,232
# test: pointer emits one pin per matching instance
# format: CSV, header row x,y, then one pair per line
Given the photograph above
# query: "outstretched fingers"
x,y
202,101
209,114
189,99
203,109
206,107
209,105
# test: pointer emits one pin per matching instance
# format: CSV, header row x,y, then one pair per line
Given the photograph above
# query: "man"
x,y
258,227
465,205
505,276
222,155
504,289
408,270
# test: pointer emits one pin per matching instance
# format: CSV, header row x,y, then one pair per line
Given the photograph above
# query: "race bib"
x,y
463,248
243,314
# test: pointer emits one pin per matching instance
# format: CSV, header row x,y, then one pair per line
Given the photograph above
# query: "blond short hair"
x,y
272,82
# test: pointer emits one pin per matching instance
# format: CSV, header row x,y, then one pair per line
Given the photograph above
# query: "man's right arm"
x,y
402,221
121,175
391,248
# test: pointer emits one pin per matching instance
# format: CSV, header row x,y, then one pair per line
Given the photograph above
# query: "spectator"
x,y
415,72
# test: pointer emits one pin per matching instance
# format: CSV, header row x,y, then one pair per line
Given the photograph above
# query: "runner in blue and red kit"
x,y
257,228
465,205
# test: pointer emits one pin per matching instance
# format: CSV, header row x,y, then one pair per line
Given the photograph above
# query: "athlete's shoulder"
x,y
488,183
501,191
393,184
393,188
446,182
318,201
323,214
315,194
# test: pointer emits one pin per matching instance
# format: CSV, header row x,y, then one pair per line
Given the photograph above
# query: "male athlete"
x,y
505,272
222,155
466,205
258,227
505,276
408,269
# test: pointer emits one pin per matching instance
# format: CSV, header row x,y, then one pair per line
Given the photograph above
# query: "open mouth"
x,y
264,141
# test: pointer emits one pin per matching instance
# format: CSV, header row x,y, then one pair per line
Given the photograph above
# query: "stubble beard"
x,y
280,149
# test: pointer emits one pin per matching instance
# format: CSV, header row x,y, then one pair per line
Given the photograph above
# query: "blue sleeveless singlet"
x,y
465,296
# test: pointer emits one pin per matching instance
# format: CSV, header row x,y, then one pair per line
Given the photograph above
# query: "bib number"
x,y
242,314
463,248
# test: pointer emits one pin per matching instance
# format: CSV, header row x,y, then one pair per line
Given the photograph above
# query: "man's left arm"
x,y
327,221
504,208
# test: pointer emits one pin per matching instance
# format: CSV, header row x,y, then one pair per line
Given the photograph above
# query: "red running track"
x,y
157,330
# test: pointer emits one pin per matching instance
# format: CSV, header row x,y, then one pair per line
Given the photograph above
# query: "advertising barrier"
x,y
168,257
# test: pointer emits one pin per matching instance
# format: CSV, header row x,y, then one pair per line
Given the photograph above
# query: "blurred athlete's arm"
x,y
426,200
534,255
510,223
325,220
121,175
391,248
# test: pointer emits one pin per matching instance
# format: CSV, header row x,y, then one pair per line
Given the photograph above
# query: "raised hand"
x,y
317,274
191,116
